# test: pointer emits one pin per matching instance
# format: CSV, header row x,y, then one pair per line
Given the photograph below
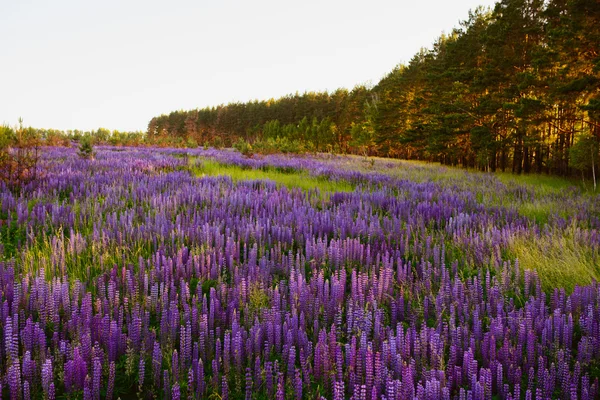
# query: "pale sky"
x,y
77,64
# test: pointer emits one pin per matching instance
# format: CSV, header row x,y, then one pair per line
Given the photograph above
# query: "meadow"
x,y
193,273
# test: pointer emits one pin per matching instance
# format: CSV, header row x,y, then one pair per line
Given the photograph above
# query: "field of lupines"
x,y
146,274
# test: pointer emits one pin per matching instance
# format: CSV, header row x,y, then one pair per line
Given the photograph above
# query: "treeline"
x,y
100,136
312,121
54,137
514,88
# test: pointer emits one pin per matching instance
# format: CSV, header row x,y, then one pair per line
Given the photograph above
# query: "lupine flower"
x,y
248,384
111,381
224,389
26,391
259,290
175,392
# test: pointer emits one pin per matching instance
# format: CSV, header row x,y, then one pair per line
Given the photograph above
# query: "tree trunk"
x,y
518,155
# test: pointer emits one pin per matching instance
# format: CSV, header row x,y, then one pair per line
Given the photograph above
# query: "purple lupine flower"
x,y
257,372
14,380
87,390
224,389
291,361
190,384
280,394
166,385
215,372
47,376
111,381
248,384
269,377
156,363
141,373
51,392
200,385
175,365
9,340
97,375
338,390
175,392
298,382
26,391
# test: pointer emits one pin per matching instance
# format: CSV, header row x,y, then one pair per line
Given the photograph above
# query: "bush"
x,y
191,143
217,142
56,139
19,155
86,149
279,145
243,147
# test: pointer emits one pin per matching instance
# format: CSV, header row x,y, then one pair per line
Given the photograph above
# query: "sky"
x,y
73,64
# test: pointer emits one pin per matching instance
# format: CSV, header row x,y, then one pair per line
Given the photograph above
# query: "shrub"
x,y
19,155
191,143
279,145
243,147
56,139
86,149
218,142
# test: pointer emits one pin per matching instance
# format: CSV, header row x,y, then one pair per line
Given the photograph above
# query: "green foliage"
x,y
191,143
584,153
7,136
19,155
364,135
218,142
316,121
207,285
243,147
279,145
258,300
86,149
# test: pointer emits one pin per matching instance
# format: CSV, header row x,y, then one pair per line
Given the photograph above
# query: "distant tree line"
x,y
515,88
311,121
100,136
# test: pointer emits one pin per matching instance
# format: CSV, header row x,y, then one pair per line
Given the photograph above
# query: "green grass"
x,y
540,211
560,258
541,183
550,192
289,179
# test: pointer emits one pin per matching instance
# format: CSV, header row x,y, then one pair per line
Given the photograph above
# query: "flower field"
x,y
148,273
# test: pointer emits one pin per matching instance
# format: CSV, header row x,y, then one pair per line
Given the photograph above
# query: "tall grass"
x,y
542,183
561,259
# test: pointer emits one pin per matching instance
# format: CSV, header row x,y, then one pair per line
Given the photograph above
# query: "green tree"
x,y
86,149
584,156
